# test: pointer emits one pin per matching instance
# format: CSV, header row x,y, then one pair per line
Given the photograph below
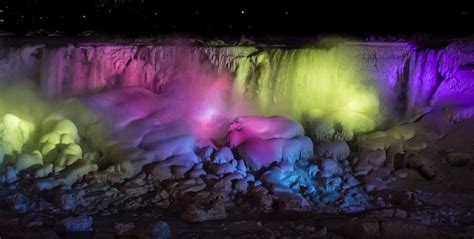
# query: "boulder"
x,y
70,200
10,175
80,223
18,202
223,155
179,171
423,165
329,167
338,150
195,173
206,206
290,202
375,158
221,169
160,171
241,185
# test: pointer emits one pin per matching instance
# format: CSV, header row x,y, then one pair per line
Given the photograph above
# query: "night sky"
x,y
148,17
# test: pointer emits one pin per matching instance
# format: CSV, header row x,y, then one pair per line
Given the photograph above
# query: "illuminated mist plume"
x,y
204,97
320,83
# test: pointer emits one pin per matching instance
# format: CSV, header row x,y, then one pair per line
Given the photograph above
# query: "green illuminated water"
x,y
322,83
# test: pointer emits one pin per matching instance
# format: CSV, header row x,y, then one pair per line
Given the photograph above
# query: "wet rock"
x,y
376,180
459,159
161,171
374,185
18,201
289,202
257,184
329,168
205,207
67,177
278,188
381,173
286,166
80,223
353,200
195,173
273,176
241,166
233,176
198,165
337,150
179,171
224,185
206,152
191,188
10,175
265,203
331,184
401,173
134,190
350,181
423,165
160,230
221,169
223,155
375,158
70,199
249,178
211,179
162,194
234,163
161,199
312,170
414,145
241,185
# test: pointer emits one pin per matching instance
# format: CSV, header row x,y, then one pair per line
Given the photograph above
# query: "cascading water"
x,y
423,78
355,86
317,83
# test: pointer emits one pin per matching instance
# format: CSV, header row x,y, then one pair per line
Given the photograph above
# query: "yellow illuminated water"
x,y
323,83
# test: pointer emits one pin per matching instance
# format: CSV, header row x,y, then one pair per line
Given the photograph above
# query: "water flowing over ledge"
x,y
363,80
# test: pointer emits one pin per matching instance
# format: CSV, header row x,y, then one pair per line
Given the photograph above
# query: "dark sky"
x,y
236,17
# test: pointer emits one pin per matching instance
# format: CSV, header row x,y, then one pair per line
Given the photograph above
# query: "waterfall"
x,y
359,85
423,78
353,85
